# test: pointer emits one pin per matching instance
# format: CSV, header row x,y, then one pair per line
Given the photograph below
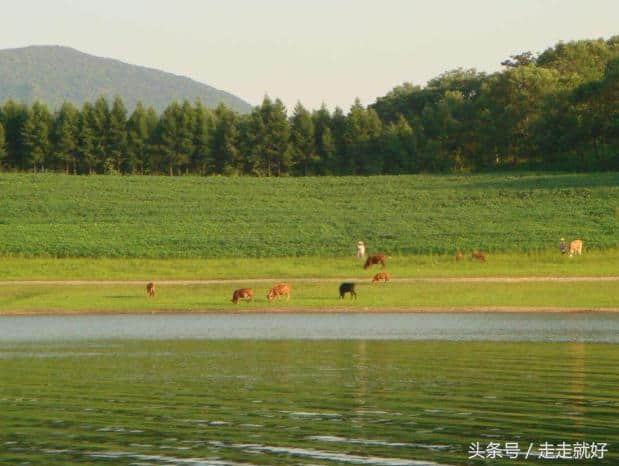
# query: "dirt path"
x,y
312,280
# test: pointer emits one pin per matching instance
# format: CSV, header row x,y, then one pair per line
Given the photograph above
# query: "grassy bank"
x,y
307,296
550,263
192,217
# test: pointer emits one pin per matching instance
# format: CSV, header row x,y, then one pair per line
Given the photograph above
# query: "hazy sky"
x,y
314,50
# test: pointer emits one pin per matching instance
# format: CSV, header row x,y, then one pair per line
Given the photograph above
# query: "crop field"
x,y
192,217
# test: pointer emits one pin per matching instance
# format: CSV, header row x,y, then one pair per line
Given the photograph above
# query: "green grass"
x,y
192,217
549,263
307,295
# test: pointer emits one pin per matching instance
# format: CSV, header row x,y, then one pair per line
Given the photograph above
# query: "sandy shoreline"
x,y
292,310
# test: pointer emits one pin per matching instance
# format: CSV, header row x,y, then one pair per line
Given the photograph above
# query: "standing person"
x,y
360,250
563,246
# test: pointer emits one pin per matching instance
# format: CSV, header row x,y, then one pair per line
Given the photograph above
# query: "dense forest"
x,y
555,110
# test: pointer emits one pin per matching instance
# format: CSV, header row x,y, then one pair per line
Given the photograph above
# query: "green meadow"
x,y
56,227
209,217
545,263
317,296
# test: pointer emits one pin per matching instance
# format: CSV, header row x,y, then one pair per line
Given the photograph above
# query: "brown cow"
x,y
376,259
150,289
478,255
575,247
242,293
279,290
459,255
381,276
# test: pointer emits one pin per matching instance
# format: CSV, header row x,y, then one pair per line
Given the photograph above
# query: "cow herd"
x,y
283,289
574,248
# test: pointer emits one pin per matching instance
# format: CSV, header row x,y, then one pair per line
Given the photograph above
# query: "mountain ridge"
x,y
53,74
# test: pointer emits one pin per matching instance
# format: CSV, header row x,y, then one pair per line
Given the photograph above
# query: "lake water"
x,y
380,389
585,327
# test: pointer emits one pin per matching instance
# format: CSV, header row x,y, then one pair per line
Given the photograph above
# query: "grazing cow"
x,y
360,250
279,290
376,259
242,293
575,247
479,255
150,289
381,276
459,255
347,288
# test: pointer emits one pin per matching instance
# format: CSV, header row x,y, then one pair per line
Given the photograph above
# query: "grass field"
x,y
55,227
547,263
307,296
192,217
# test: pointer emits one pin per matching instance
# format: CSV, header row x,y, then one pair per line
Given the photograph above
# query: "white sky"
x,y
309,50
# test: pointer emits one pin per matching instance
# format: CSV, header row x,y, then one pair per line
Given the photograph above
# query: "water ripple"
x,y
326,455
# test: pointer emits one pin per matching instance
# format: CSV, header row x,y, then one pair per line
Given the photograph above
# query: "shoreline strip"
x,y
292,310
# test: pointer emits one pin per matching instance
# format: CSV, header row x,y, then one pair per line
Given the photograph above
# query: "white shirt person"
x,y
360,250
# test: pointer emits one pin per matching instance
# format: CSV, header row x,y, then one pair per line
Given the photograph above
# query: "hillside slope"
x,y
53,74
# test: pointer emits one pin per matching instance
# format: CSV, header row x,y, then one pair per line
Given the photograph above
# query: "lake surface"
x,y
586,327
388,389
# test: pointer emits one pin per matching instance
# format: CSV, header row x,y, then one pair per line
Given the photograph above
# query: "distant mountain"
x,y
54,74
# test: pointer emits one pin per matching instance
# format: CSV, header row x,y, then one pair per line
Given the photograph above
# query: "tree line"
x,y
556,110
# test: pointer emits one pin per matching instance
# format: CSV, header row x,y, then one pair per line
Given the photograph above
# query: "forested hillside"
x,y
54,74
556,110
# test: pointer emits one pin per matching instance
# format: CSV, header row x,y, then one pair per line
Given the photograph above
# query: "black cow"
x,y
347,288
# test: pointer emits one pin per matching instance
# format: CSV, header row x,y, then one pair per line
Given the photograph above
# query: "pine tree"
x,y
117,137
271,154
150,157
3,152
338,131
254,139
86,151
167,131
186,127
100,124
204,123
175,135
279,144
65,136
226,152
327,152
36,135
14,116
303,142
137,139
